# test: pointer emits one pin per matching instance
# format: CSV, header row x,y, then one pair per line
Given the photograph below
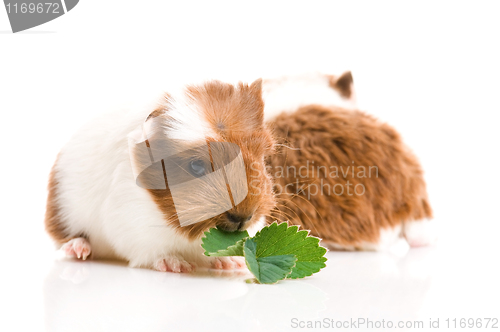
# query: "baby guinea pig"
x,y
104,202
341,173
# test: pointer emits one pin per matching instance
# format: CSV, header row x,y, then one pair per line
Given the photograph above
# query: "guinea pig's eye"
x,y
197,167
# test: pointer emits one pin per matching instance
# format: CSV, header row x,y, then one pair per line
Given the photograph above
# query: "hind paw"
x,y
420,233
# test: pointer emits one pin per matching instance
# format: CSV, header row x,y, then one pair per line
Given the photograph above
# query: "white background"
x,y
431,69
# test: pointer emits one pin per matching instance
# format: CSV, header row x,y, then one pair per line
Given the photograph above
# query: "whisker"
x,y
288,147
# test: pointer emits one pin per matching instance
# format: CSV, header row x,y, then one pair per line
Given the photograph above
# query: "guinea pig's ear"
x,y
255,90
343,84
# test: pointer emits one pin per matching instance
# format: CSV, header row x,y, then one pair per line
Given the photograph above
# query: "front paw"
x,y
173,264
228,263
77,248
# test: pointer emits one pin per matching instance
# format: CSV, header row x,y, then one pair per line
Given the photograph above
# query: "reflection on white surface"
x,y
93,296
424,284
103,296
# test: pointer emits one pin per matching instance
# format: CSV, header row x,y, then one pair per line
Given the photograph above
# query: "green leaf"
x,y
220,243
275,253
279,240
267,269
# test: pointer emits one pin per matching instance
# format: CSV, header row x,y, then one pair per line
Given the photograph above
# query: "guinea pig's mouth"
x,y
232,222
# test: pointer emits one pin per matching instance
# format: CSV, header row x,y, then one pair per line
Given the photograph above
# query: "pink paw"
x,y
173,264
78,247
229,263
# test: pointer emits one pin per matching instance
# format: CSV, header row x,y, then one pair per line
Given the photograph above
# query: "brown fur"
x,y
53,223
235,114
337,137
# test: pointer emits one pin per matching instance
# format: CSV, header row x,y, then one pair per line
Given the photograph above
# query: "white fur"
x,y
416,233
287,94
257,226
187,124
390,240
387,239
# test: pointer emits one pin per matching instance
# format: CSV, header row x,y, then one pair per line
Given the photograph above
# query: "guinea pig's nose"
x,y
238,218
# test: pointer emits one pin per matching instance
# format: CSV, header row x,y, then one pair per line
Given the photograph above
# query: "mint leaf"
x,y
220,243
279,240
267,269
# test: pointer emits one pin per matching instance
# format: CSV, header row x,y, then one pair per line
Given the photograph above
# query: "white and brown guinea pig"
x,y
95,207
339,172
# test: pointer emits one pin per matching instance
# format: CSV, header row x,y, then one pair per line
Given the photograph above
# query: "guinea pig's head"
x,y
209,143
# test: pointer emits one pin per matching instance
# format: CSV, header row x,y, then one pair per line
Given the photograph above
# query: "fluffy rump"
x,y
344,175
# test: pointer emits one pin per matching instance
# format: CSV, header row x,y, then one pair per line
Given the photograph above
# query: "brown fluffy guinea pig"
x,y
340,172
